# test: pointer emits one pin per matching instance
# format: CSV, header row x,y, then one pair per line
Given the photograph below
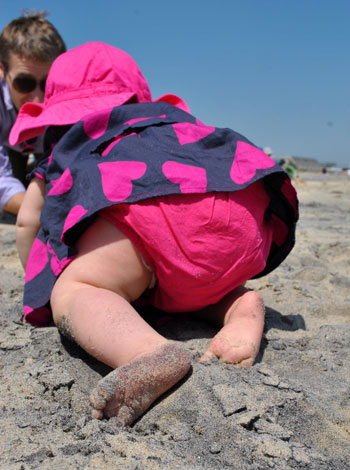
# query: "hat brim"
x,y
33,118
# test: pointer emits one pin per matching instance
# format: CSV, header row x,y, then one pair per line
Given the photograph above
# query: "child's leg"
x,y
91,303
241,315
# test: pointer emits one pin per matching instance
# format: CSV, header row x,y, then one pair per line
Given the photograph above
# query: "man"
x,y
28,46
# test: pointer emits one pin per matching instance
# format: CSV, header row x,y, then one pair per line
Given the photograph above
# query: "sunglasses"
x,y
27,84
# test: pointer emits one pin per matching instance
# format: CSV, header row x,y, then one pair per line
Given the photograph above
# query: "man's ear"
x,y
2,71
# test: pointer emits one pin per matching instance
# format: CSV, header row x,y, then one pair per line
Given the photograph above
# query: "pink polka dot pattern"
x,y
188,133
246,161
190,178
37,260
62,184
75,214
95,128
117,178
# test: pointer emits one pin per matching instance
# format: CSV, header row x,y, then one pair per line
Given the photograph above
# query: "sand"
x,y
291,410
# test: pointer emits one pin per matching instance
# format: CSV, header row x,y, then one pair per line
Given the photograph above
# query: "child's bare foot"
x,y
127,392
238,342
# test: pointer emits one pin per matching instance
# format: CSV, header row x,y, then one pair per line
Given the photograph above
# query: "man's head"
x,y
28,46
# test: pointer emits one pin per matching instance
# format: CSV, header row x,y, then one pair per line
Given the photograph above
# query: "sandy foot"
x,y
238,342
127,392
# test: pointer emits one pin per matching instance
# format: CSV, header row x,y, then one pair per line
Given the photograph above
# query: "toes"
x,y
123,416
247,362
96,400
239,359
118,423
236,355
125,393
97,414
208,356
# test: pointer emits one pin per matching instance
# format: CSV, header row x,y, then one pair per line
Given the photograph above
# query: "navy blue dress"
x,y
135,152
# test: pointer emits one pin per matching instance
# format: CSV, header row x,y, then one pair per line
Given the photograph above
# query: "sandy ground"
x,y
291,410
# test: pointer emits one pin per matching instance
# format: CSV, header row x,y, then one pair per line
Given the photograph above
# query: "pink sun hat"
x,y
83,80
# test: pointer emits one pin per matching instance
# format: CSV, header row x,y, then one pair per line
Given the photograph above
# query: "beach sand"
x,y
291,410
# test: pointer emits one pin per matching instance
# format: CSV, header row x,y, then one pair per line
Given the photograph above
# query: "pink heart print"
x,y
188,133
192,179
117,178
75,214
37,260
247,160
95,128
62,184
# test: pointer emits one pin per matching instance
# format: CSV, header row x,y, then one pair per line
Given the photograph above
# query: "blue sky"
x,y
277,71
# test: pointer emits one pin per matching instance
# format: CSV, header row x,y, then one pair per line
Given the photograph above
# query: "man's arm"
x,y
14,203
11,189
28,219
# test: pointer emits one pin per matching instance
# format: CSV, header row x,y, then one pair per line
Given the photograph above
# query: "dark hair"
x,y
31,36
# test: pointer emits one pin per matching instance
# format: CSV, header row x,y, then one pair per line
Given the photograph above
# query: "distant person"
x,y
141,200
28,46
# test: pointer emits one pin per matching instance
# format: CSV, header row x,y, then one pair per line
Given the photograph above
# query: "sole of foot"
x,y
127,392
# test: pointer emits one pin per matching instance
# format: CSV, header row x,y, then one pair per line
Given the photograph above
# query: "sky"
x,y
276,71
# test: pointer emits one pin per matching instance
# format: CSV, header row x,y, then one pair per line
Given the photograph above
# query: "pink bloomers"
x,y
199,246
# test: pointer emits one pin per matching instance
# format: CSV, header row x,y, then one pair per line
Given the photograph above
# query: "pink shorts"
x,y
199,246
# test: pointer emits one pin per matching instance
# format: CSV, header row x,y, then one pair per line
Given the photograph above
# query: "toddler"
x,y
138,199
